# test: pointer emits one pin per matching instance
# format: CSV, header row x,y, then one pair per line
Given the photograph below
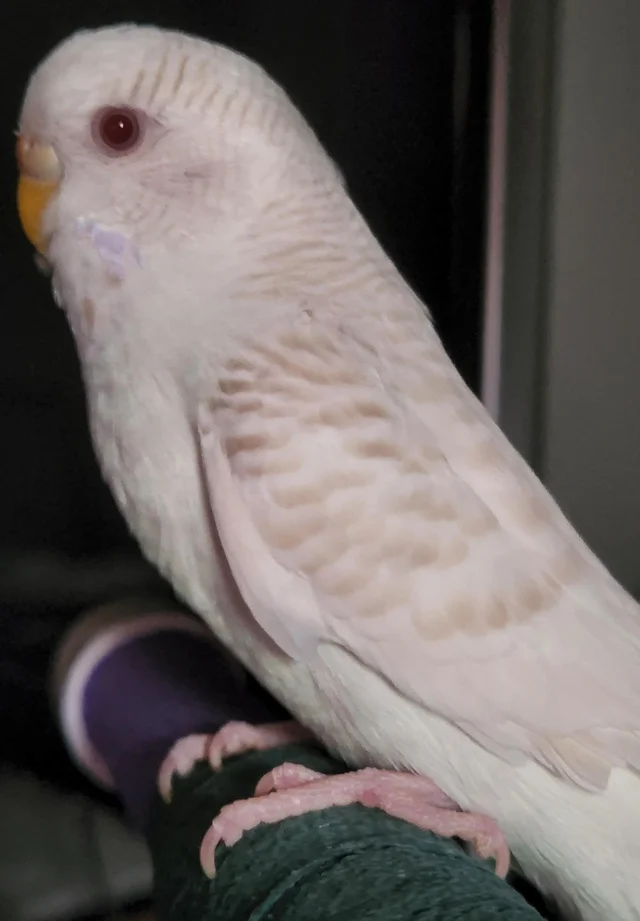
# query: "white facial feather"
x,y
254,361
219,133
229,189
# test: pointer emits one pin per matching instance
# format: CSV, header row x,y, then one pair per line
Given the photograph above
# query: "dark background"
x,y
397,90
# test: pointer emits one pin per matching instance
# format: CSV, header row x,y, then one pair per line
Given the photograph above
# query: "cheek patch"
x,y
117,251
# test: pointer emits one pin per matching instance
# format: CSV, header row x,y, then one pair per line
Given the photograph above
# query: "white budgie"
x,y
290,444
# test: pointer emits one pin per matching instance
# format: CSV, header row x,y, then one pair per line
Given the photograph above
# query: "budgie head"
x,y
158,147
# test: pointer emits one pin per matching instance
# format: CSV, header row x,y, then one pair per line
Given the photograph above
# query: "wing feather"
x,y
352,514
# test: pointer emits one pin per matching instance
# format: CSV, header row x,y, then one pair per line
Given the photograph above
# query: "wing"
x,y
364,498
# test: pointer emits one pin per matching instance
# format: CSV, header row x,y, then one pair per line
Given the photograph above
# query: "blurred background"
x,y
495,149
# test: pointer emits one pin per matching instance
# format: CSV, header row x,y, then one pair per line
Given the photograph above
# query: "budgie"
x,y
287,439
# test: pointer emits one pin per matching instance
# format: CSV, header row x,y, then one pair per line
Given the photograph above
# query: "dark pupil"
x,y
118,129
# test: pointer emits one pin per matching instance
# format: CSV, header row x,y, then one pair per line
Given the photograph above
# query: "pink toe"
x,y
180,760
235,738
286,776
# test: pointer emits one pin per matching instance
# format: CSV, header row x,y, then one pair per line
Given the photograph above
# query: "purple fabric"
x,y
154,690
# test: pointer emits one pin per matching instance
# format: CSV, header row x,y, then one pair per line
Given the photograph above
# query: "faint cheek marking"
x,y
117,251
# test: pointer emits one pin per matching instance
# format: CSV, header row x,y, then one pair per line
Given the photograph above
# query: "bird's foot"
x,y
292,790
233,739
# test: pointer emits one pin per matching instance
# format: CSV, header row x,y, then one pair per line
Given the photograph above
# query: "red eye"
x,y
117,129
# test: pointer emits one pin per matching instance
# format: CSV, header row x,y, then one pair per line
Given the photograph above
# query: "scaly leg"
x,y
233,739
292,790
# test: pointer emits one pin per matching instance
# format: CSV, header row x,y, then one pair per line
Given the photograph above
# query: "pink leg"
x,y
233,739
291,790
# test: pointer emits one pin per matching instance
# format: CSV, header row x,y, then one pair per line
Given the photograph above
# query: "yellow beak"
x,y
40,174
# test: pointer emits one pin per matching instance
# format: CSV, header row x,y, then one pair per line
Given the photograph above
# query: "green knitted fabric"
x,y
341,864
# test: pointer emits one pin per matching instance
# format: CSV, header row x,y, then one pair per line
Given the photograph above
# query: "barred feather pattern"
x,y
475,600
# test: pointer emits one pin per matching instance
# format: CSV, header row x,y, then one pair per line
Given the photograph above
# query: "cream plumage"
x,y
252,359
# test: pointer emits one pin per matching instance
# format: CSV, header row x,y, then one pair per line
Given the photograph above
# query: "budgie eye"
x,y
117,130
